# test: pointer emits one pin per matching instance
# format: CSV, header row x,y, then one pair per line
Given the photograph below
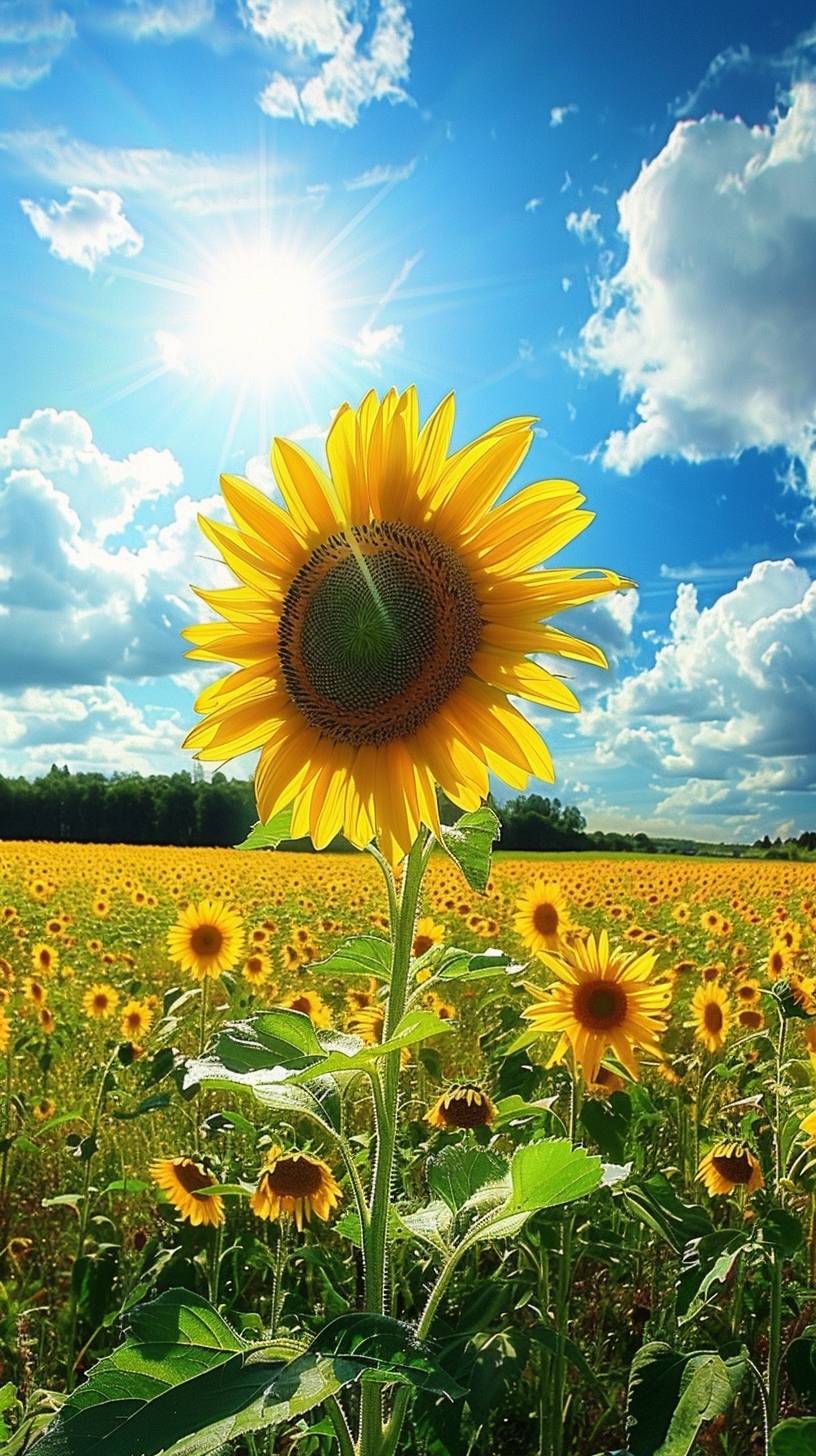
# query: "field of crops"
x,y
663,1301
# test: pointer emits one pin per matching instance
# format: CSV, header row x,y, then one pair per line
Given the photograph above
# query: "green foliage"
x,y
362,955
459,1170
672,1394
794,1437
270,834
469,842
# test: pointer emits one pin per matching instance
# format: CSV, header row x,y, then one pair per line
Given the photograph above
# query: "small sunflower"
x,y
206,939
5,1031
464,1105
711,1011
358,998
603,1000
311,1004
779,958
295,1183
445,1010
44,959
183,1179
729,1166
45,1108
808,1125
426,935
136,1021
541,918
100,1000
751,1018
382,622
256,969
48,1021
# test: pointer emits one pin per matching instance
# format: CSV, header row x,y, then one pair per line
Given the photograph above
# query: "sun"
x,y
261,315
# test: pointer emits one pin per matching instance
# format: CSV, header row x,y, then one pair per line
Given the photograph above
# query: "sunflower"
x,y
426,935
605,1082
382,618
464,1105
808,1125
45,1108
183,1179
295,1183
729,1166
357,998
34,991
136,1020
541,918
712,1015
778,961
100,1000
44,959
47,1021
5,1031
751,1018
206,939
256,969
311,1004
603,999
445,1010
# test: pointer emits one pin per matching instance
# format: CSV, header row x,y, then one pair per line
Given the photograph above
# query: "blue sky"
x,y
605,218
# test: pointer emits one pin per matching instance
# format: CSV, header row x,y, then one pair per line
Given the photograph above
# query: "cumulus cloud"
x,y
33,35
88,227
559,114
728,708
91,728
709,324
339,68
371,343
584,225
195,183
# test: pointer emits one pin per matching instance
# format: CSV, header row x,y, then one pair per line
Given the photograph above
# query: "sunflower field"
x,y
601,1215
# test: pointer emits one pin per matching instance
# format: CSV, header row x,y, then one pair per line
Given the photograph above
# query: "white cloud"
x,y
105,494
733,58
89,728
728,709
584,225
171,350
533,204
710,321
558,114
159,19
88,227
189,182
33,34
381,176
356,69
371,343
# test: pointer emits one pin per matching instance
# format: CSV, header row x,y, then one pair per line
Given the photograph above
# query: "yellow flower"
x,y
808,1125
137,1019
778,961
311,1004
426,935
47,1021
44,959
712,1015
295,1183
445,1010
45,1108
729,1166
183,1179
382,619
541,918
34,991
100,1000
256,969
751,1018
603,1000
464,1105
5,1031
206,939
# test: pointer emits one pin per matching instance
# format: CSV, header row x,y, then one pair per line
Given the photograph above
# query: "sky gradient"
x,y
221,218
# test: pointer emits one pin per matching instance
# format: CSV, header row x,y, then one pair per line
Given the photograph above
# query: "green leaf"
x,y
454,964
362,955
672,1394
607,1120
469,842
654,1202
416,1026
542,1175
431,1224
707,1264
794,1437
800,1363
387,1349
783,1230
271,834
552,1341
457,1172
273,1039
267,1089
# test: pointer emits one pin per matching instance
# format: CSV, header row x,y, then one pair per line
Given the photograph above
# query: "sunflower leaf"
x,y
672,1394
795,1437
475,965
457,1172
319,1102
271,834
469,843
415,1026
362,955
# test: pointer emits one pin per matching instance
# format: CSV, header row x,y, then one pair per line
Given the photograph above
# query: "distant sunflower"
x,y
206,939
464,1105
295,1183
541,918
311,1004
183,1179
603,999
5,1031
136,1020
711,1012
256,969
808,1125
44,959
45,1108
100,1000
426,935
751,1018
729,1166
383,618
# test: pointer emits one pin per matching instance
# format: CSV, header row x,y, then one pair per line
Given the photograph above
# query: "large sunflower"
x,y
729,1166
295,1183
183,1180
603,999
382,618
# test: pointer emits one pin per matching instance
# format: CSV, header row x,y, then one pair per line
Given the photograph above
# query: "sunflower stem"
x,y
84,1214
777,1256
385,1088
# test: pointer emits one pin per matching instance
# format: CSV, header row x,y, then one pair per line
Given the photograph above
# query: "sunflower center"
x,y
421,944
736,1167
191,1177
713,1017
599,1005
295,1178
457,1111
206,940
545,918
378,628
301,1003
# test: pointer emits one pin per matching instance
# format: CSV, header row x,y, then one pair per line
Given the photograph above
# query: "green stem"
x,y
385,1088
84,1214
777,1257
4,1164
